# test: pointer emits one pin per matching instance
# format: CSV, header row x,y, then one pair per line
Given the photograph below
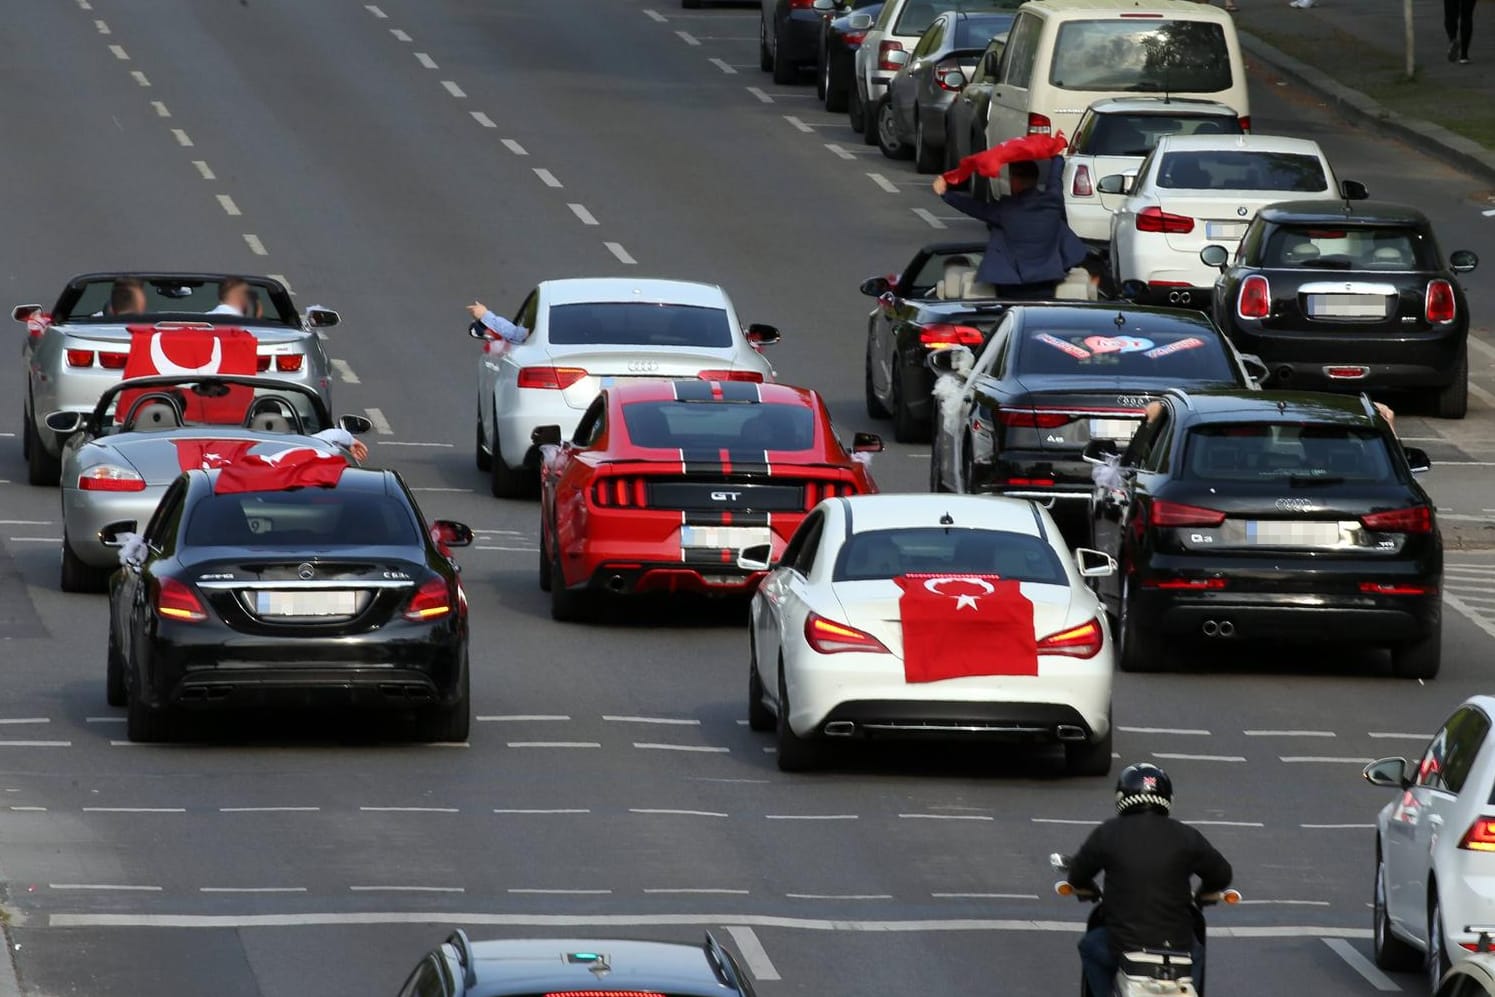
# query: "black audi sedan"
x,y
300,596
1271,515
1349,296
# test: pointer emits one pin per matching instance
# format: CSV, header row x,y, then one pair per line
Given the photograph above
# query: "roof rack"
x,y
721,963
458,940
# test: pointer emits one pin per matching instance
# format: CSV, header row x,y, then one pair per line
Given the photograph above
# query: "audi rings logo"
x,y
305,571
1132,401
1294,504
643,366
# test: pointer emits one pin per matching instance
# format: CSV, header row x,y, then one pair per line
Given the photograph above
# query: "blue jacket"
x,y
1031,241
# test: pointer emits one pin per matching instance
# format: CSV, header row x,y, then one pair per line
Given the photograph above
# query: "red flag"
x,y
207,454
959,625
299,467
37,324
186,352
990,162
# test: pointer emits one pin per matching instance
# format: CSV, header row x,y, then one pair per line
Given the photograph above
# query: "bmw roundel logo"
x,y
305,571
1241,212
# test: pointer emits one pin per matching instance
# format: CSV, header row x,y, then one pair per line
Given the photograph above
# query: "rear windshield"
x,y
1347,248
638,324
115,301
977,32
920,14
1241,169
1303,454
1189,353
735,426
1129,55
307,518
1138,134
890,553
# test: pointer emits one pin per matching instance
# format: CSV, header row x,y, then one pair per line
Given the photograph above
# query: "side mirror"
x,y
355,424
321,318
1256,368
954,80
1099,451
866,443
763,335
876,287
950,360
65,423
1417,459
1131,290
451,534
1388,772
758,557
1214,256
113,535
1353,190
1094,563
1114,183
546,435
24,313
1462,261
824,6
859,22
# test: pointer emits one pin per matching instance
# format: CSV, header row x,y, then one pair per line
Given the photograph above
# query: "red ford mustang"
x,y
665,481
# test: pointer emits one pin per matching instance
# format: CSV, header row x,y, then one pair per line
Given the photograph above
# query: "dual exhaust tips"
x,y
1180,297
1218,628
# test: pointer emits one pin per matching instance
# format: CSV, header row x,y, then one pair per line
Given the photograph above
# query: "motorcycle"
x,y
1148,972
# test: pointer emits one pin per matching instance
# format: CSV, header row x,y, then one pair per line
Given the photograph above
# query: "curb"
x,y
1454,149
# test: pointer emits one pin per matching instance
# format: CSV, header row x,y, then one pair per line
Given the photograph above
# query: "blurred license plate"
x,y
722,537
1224,230
1292,534
1346,306
306,603
1113,429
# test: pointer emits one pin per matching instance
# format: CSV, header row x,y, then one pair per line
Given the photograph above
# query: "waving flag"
x,y
299,467
990,162
960,625
191,352
193,455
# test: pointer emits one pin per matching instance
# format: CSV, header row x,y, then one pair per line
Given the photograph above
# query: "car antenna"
x,y
1281,405
947,521
1120,319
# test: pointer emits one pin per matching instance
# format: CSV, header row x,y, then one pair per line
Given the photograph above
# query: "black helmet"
x,y
1143,785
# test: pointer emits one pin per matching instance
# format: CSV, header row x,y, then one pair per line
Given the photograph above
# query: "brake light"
x,y
554,378
620,493
731,375
1039,124
604,993
947,334
80,358
854,39
1347,373
1439,304
1255,298
1397,588
113,361
1081,186
1245,123
801,4
884,50
262,362
1178,514
943,71
1480,837
815,491
1154,219
1031,482
109,478
1413,519
829,637
1185,584
176,601
429,601
1083,641
288,362
1033,418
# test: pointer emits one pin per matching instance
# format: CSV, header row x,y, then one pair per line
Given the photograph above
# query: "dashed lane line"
x,y
375,11
1180,757
521,717
699,889
400,36
482,119
1337,827
1352,957
981,817
1225,823
726,67
182,138
984,896
102,27
120,53
582,214
752,952
622,255
409,810
392,888
134,810
758,92
255,245
839,896
1063,820
251,889
269,810
811,817
452,88
117,887
929,217
411,443
1325,759
204,170
7,743
655,16
381,424
704,748
567,893
688,38
34,540
546,177
425,60
883,182
229,207
1382,735
344,372
162,111
1289,733
675,721
521,811
1187,731
514,147
140,78
25,720
554,744
799,125
666,812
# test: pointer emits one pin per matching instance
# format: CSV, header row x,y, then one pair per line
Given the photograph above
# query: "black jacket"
x,y
1148,859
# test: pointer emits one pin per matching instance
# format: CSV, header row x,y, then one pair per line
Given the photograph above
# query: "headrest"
x,y
154,416
974,290
958,270
270,422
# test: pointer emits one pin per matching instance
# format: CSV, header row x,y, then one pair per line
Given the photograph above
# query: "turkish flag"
x,y
207,454
37,324
193,352
959,625
990,162
299,467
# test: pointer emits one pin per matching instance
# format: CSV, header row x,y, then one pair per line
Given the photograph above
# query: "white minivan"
x,y
1063,55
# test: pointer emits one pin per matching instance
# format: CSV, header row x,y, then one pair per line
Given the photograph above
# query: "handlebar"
x,y
1064,888
1223,897
1067,889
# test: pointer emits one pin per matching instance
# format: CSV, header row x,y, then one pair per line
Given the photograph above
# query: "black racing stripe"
x,y
692,390
708,517
717,558
701,461
747,461
739,391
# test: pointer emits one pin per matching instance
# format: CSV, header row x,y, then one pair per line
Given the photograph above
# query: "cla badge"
x,y
305,571
1294,504
725,496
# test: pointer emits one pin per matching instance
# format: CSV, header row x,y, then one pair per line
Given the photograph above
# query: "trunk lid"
x,y
872,605
1219,218
604,365
332,596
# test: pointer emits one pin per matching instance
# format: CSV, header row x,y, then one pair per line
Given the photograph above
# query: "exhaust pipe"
x,y
1227,628
1069,732
1173,297
1284,373
840,728
1210,628
616,584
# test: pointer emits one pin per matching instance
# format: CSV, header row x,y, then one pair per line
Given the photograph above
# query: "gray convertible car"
x,y
116,465
80,347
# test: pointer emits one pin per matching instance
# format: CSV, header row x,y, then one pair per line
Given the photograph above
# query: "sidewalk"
x,y
1352,51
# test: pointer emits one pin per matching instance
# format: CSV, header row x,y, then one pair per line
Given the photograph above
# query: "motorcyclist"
x,y
1148,859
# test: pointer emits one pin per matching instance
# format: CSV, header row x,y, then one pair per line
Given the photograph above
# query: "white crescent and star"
x,y
961,601
164,365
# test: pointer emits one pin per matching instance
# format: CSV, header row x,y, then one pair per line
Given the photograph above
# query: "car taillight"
x,y
1039,124
731,375
948,334
1185,584
854,39
1178,514
555,378
80,358
1480,837
1033,418
1031,482
829,637
1083,641
620,493
801,4
1255,298
816,491
1397,588
1245,122
113,361
604,993
288,362
884,49
1439,305
1154,219
1081,186
262,362
1413,519
429,601
109,478
944,70
176,601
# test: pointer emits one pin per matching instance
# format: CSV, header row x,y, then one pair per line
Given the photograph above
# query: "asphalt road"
x,y
394,160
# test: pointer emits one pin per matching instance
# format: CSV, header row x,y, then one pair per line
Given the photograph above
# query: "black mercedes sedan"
x,y
1271,515
335,594
1349,296
840,37
1015,419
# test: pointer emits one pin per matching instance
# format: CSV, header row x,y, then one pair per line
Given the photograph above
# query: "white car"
x,y
828,653
1474,977
1194,190
1435,847
585,333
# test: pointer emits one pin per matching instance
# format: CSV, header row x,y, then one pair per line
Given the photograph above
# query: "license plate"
x,y
1346,306
1113,429
1224,230
306,603
724,537
1276,533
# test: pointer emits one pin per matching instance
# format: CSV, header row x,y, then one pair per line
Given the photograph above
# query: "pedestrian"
x,y
1458,22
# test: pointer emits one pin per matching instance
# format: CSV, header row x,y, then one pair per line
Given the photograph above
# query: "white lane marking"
x,y
425,60
120,53
229,207
453,89
1287,903
135,810
1311,759
102,27
5,743
1061,820
810,817
1392,735
1225,823
400,36
1337,827
204,170
1190,731
381,424
839,896
103,886
547,177
409,810
1289,733
344,372
687,38
407,889
161,110
255,245
753,953
655,15
945,817
103,720
466,491
140,78
929,217
677,721
25,720
251,889
40,810
558,810
554,744
883,182
268,810
1477,571
651,746
375,11
984,896
521,717
34,540
582,214
514,147
1360,964
722,64
521,550
1176,756
589,893
1466,610
26,522
616,248
840,151
182,138
482,119
1482,395
676,813
758,92
408,443
702,889
800,125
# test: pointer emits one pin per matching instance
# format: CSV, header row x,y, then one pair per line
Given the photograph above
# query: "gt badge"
x,y
725,496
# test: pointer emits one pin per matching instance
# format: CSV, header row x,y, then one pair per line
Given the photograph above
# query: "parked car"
x,y
965,118
788,33
1349,296
912,121
840,37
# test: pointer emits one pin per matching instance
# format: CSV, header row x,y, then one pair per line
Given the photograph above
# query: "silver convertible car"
x,y
116,465
80,347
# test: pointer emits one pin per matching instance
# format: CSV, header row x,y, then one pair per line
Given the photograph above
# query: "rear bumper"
x,y
1021,722
1299,359
799,37
642,578
1296,617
